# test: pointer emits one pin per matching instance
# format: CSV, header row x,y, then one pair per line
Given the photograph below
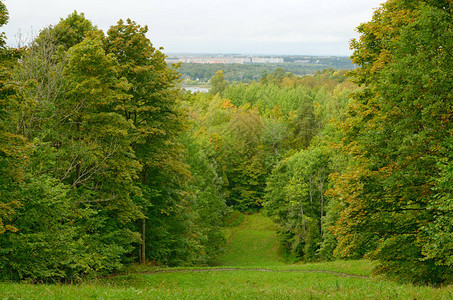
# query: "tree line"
x,y
197,74
94,162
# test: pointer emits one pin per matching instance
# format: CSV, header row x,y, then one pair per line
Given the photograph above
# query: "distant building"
x,y
266,60
224,60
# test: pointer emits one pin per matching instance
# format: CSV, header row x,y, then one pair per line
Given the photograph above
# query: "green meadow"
x,y
250,268
252,242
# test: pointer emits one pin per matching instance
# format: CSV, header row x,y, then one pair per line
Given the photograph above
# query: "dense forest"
x,y
199,74
104,161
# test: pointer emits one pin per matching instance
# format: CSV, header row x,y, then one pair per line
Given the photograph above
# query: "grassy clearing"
x,y
354,267
228,285
252,244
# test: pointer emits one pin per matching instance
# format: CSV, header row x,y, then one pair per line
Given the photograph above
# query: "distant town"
x,y
245,59
197,69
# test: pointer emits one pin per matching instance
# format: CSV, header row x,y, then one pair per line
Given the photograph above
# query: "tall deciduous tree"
x,y
81,175
13,147
399,135
102,157
151,108
218,83
295,199
69,31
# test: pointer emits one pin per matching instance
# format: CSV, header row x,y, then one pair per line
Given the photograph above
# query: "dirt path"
x,y
255,269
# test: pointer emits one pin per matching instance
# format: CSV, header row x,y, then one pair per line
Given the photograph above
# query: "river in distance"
x,y
196,89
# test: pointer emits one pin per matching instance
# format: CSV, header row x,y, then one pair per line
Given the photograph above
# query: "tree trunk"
x,y
321,186
142,250
311,192
303,218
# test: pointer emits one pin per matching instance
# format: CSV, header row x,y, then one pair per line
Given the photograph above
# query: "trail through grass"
x,y
227,285
253,242
251,268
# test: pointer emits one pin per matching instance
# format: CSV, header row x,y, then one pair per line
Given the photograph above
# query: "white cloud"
x,y
253,26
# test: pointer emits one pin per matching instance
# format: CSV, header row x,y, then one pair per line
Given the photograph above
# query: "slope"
x,y
253,241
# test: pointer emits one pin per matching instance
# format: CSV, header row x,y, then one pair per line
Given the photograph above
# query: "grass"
x,y
252,244
228,285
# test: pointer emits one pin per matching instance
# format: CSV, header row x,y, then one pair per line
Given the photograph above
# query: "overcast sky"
x,y
300,27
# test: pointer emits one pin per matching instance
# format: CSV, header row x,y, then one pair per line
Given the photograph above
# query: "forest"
x,y
106,162
200,74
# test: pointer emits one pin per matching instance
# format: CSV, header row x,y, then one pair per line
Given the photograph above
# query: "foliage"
x,y
104,159
52,242
252,126
68,32
210,207
193,73
218,83
295,200
317,280
90,143
398,135
14,149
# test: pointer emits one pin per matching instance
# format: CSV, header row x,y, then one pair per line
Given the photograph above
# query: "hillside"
x,y
250,268
252,242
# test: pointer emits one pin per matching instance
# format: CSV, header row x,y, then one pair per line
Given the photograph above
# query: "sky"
x,y
264,27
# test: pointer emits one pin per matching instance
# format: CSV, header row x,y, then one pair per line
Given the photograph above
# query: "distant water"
x,y
196,89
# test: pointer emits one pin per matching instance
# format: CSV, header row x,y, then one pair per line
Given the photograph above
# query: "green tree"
x,y
295,199
79,180
245,163
208,198
218,83
151,106
102,156
398,133
14,149
69,31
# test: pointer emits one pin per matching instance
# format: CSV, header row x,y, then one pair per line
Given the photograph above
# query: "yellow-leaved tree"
x,y
397,189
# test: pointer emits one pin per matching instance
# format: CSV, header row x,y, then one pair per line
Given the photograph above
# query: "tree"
x,y
69,31
102,156
303,125
295,199
208,199
398,133
151,108
218,83
14,149
79,179
245,163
